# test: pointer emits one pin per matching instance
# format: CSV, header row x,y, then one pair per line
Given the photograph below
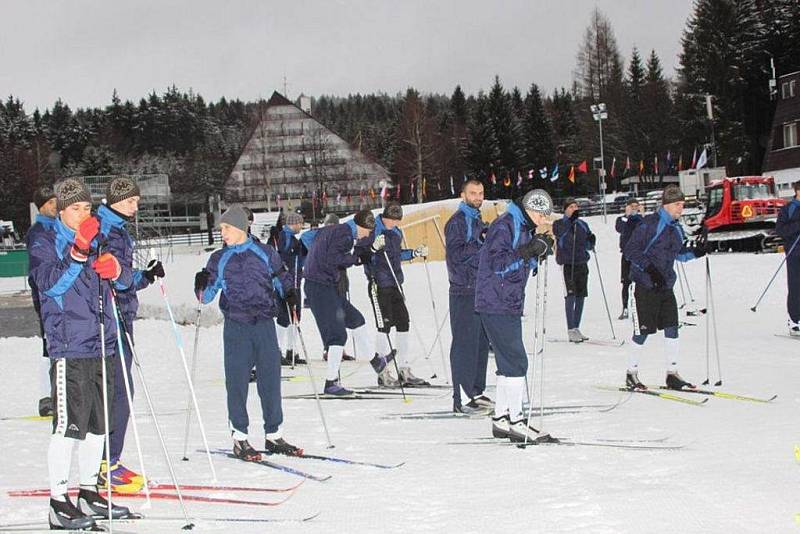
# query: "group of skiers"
x,y
84,289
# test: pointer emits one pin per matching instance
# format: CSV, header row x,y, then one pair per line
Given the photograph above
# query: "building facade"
x,y
782,160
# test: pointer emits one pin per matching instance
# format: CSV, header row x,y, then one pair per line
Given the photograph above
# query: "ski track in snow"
x,y
737,472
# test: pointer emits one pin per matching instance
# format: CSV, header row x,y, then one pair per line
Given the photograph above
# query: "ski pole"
x,y
189,525
603,289
714,319
708,336
179,342
537,323
104,378
686,278
296,325
129,398
791,249
435,315
683,293
194,372
376,310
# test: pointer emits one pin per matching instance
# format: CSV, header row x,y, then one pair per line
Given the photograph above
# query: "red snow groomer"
x,y
741,214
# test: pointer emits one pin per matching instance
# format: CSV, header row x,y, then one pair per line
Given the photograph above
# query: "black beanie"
x,y
365,219
393,210
42,195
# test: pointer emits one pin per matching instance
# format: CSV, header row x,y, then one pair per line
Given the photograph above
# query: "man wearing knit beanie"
x,y
656,243
788,227
293,255
45,199
122,204
254,283
71,271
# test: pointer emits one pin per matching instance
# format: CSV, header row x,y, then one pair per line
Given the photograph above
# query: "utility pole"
x,y
599,113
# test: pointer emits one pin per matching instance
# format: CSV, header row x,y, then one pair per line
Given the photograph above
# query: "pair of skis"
x,y
549,441
669,394
548,410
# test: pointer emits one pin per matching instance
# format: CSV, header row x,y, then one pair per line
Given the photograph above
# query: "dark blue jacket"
x,y
462,234
69,292
43,224
788,226
502,273
572,238
377,268
249,275
331,251
657,241
118,241
625,226
292,255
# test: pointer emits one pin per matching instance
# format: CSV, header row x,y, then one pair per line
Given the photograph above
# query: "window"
x,y
788,89
751,191
790,135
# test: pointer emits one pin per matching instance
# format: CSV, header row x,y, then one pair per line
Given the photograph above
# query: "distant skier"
x,y
625,225
252,279
71,274
652,250
575,241
332,252
45,199
510,254
383,253
465,233
293,255
788,227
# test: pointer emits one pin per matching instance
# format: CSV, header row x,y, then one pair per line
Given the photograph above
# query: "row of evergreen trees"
x,y
504,132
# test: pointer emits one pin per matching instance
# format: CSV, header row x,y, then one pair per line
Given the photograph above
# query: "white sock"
x,y
236,435
671,348
402,349
275,435
515,391
364,349
290,339
334,360
90,453
44,377
59,458
382,344
282,332
634,350
501,399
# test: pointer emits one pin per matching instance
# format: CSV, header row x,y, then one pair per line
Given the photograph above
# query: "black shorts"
x,y
283,318
576,279
76,387
625,271
653,310
391,309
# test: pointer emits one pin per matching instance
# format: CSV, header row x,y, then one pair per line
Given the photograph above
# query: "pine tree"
x,y
505,128
537,131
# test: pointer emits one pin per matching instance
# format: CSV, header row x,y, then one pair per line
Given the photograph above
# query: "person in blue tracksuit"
x,y
464,235
385,275
788,227
122,203
45,199
292,254
71,273
511,253
575,241
331,253
252,279
653,248
625,225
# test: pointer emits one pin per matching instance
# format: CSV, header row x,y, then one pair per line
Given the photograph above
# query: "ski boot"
x,y
379,362
623,315
409,380
473,408
66,516
583,338
501,427
574,336
333,388
91,503
280,446
286,359
123,480
632,381
244,451
794,331
519,432
386,380
483,400
674,381
45,407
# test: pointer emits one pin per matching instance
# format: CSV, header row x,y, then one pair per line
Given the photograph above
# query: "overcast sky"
x,y
81,50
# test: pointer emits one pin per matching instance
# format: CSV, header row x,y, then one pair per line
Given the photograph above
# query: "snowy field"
x,y
736,472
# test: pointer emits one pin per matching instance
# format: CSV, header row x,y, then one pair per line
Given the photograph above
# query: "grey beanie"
x,y
236,217
393,210
331,218
69,191
120,188
672,193
294,218
538,200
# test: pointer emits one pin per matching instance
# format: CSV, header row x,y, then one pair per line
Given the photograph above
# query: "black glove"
x,y
201,280
274,232
291,297
540,245
575,215
364,256
700,246
592,240
154,269
656,277
484,231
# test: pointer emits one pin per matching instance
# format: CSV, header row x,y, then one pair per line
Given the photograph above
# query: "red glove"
x,y
107,266
83,238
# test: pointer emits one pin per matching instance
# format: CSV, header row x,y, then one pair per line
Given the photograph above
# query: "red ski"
x,y
157,496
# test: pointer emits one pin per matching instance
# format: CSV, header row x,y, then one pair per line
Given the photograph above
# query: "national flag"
x,y
278,200
703,159
384,192
411,189
349,198
680,163
627,166
694,159
493,179
507,180
452,188
398,191
641,167
543,172
371,193
519,179
530,174
583,167
614,167
669,159
339,199
554,175
424,188
314,198
571,175
655,164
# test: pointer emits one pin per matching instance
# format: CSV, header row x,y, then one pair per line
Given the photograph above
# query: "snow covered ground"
x,y
736,473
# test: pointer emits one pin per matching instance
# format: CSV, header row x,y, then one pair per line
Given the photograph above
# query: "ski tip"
x,y
190,526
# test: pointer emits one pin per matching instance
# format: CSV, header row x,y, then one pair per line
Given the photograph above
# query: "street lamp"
x,y
599,113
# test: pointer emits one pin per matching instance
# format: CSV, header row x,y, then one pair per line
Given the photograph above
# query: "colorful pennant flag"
x,y
554,175
571,175
583,167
